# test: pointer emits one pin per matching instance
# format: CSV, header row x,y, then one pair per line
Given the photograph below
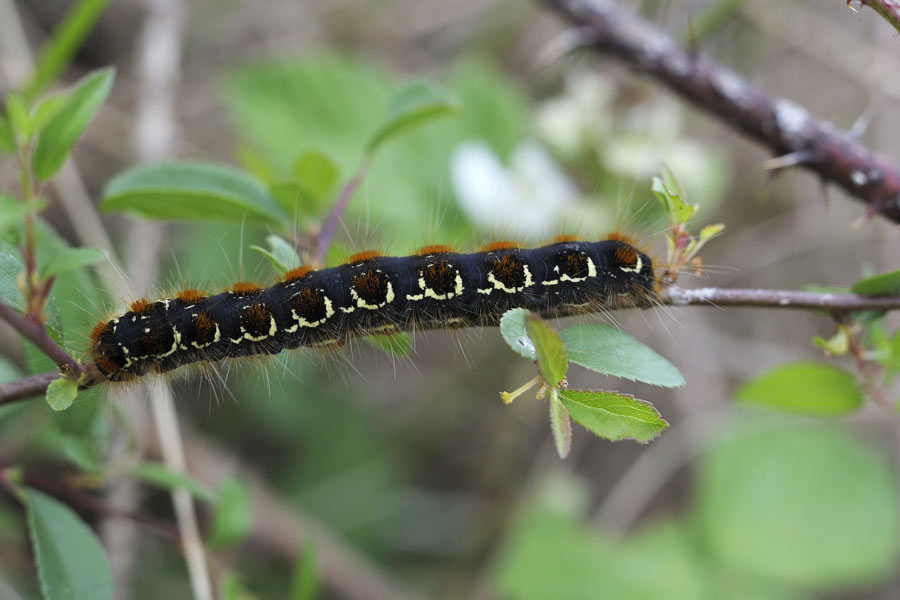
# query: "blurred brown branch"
x,y
786,128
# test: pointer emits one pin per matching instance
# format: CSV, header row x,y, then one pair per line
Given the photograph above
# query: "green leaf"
x,y
512,328
71,259
10,268
12,212
809,506
396,344
66,126
804,387
551,555
560,425
613,416
61,393
892,360
71,563
232,588
19,120
836,345
305,580
233,515
316,174
7,138
284,251
413,105
883,284
191,191
159,475
607,350
46,109
62,45
670,194
551,353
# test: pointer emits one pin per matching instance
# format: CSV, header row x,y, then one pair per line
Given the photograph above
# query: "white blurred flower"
x,y
572,121
524,199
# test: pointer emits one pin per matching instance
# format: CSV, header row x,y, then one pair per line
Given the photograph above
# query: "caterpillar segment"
x,y
434,288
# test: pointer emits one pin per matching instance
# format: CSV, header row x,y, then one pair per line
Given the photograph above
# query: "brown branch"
x,y
36,334
832,303
26,388
781,125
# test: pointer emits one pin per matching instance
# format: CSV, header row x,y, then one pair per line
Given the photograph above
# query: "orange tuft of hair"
x,y
564,238
190,296
502,245
140,306
364,255
621,237
97,331
626,255
296,273
435,249
245,287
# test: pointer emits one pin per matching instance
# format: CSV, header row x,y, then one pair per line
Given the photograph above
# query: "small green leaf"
x,y
883,284
71,259
7,137
415,104
613,416
191,191
284,251
892,360
11,295
233,515
19,121
711,231
71,563
66,126
305,580
317,175
61,393
67,38
159,475
281,255
560,425
669,193
836,345
233,589
512,328
12,212
804,387
551,353
607,350
396,344
46,109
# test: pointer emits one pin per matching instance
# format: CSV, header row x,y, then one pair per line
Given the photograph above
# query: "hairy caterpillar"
x,y
370,294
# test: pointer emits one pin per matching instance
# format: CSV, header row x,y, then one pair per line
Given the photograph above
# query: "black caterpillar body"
x,y
372,294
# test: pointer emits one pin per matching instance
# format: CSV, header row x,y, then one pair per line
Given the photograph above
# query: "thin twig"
x,y
340,205
888,9
282,529
834,304
28,387
79,500
781,125
761,298
36,334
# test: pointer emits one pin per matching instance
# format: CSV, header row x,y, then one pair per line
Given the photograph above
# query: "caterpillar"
x,y
373,294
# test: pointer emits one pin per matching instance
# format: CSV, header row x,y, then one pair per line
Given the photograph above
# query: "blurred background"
x,y
407,477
